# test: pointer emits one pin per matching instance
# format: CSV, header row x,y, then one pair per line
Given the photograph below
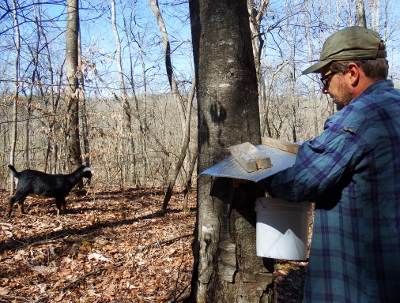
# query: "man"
x,y
352,173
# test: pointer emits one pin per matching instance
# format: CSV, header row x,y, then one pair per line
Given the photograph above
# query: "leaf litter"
x,y
114,245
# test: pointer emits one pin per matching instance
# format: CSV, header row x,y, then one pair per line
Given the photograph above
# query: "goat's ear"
x,y
88,169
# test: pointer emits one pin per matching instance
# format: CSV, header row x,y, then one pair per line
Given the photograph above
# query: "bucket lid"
x,y
269,203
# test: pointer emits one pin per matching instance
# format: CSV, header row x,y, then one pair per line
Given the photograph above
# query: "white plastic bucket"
x,y
282,228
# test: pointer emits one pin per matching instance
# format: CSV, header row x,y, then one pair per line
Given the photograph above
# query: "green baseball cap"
x,y
351,43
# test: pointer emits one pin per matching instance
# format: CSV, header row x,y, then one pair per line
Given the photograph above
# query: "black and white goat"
x,y
36,183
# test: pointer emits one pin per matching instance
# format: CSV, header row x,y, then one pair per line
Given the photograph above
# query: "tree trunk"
x,y
361,20
72,51
185,118
51,104
226,267
35,76
316,123
188,181
256,13
84,113
13,140
126,107
183,152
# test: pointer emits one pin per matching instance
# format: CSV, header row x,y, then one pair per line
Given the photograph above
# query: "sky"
x,y
98,41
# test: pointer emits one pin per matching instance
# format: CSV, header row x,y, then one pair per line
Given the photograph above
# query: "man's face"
x,y
337,87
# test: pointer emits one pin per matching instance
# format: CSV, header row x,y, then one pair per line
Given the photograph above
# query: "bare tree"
x,y
256,13
361,20
84,113
184,117
13,140
226,267
127,124
182,154
72,87
43,111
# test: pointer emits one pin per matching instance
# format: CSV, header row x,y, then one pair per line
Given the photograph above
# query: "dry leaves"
x,y
114,245
289,278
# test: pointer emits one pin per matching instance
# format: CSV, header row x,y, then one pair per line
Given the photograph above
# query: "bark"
x,y
72,94
35,76
361,20
316,122
185,118
266,126
256,10
51,104
256,13
84,113
168,61
183,152
144,153
126,107
226,267
375,7
188,184
130,39
13,140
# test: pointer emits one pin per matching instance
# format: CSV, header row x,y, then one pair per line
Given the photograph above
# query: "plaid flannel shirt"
x,y
352,173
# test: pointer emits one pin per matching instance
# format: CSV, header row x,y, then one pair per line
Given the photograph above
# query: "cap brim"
x,y
316,67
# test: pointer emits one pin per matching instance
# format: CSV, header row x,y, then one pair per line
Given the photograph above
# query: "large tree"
x,y
226,266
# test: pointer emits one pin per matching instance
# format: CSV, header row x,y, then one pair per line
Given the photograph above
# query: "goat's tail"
x,y
14,171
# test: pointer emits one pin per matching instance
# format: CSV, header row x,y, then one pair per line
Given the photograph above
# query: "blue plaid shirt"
x,y
352,173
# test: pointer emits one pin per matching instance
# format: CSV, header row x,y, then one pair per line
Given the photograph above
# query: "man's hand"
x,y
236,182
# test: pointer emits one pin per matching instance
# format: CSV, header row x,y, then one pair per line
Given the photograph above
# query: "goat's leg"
x,y
58,205
21,205
10,205
64,206
13,199
61,206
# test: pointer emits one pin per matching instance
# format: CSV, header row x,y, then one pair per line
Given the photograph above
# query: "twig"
x,y
177,280
40,299
81,278
13,298
165,241
55,240
87,275
180,298
6,224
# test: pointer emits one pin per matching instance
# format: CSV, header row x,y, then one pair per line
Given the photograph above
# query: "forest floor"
x,y
114,245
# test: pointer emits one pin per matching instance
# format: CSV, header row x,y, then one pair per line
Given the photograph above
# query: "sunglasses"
x,y
324,79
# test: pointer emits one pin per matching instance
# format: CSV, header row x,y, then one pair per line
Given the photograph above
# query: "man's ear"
x,y
353,72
